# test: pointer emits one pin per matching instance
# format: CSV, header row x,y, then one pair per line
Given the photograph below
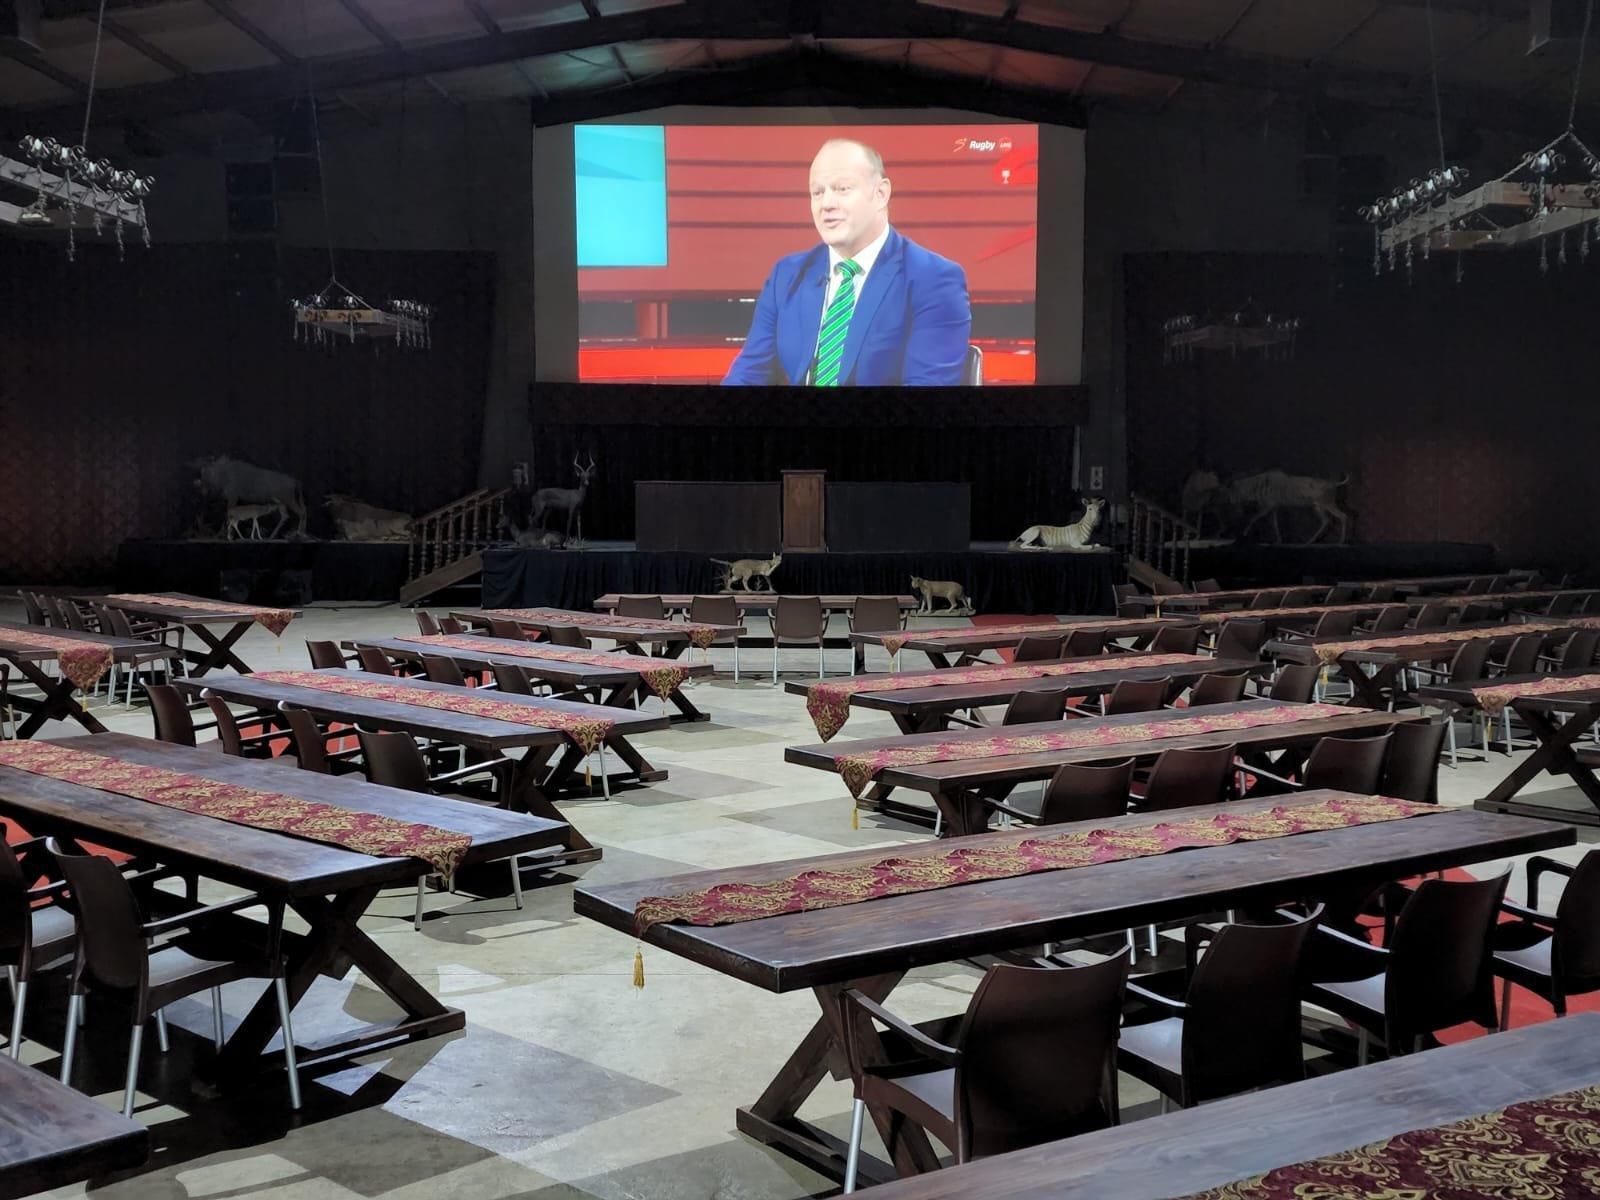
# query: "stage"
x,y
997,579
282,572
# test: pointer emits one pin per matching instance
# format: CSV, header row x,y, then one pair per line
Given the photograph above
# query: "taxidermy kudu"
x,y
1269,492
565,500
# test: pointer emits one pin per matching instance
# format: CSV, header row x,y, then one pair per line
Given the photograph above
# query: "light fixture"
x,y
1244,328
337,312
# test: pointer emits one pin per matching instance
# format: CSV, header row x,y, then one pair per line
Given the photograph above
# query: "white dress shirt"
x,y
864,260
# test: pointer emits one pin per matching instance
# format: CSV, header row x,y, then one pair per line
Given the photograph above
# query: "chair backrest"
x,y
1562,603
74,616
1167,587
1295,683
112,621
875,614
1411,772
443,670
566,635
309,747
1130,612
499,627
1207,585
1124,591
374,661
1176,639
1037,648
31,606
55,612
1343,594
1348,764
1137,695
1083,643
324,654
1267,600
1334,625
1218,689
1086,792
714,610
799,617
1438,968
1578,653
111,942
393,760
1479,586
16,923
1242,1027
1469,661
227,727
649,607
1380,593
1026,708
511,679
1184,778
1391,618
1038,1056
170,713
1523,657
426,625
1241,637
1575,956
1300,597
1476,611
451,625
1432,615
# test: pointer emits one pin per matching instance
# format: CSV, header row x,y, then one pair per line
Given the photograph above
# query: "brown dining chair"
x,y
1554,955
1342,764
1241,637
1577,653
1207,585
873,614
1076,792
509,631
1391,618
1466,666
157,662
798,621
374,661
1084,643
325,654
33,611
1137,696
1476,612
1522,658
1433,971
1479,586
650,608
1238,1025
720,610
1411,772
1176,639
438,669
451,625
1342,594
173,718
119,953
511,679
1380,593
1039,648
36,932
1295,683
1266,600
1121,592
1032,708
1033,1060
1218,689
426,625
310,742
1432,615
1184,778
1167,587
235,743
1563,604
1304,597
567,635
393,760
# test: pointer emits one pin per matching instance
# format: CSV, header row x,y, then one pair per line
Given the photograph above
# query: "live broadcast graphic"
x,y
821,256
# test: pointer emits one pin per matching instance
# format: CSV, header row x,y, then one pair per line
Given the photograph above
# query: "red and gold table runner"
x,y
273,620
586,732
363,832
1293,610
1539,1150
82,662
1493,697
893,641
1329,652
999,857
661,676
859,770
700,636
829,703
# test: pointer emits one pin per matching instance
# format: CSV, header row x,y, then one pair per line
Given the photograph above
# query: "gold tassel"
x,y
855,816
588,780
638,967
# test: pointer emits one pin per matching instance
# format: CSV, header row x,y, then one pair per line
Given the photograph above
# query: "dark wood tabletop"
x,y
1436,583
978,638
56,700
51,1135
747,601
601,625
215,650
1465,695
1245,1136
121,648
922,709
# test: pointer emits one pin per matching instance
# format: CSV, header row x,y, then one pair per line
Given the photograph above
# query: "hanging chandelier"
x,y
338,313
1272,335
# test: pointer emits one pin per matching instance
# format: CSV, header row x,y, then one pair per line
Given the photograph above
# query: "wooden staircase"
x,y
1158,545
447,544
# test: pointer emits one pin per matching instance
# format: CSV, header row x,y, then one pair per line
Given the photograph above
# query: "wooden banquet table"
x,y
672,637
532,786
1438,584
198,615
927,709
946,646
620,684
1198,1149
747,601
52,1135
56,702
954,786
328,886
871,945
1559,720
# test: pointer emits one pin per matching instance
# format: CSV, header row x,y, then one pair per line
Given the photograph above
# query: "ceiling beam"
x,y
819,20
37,63
492,28
154,53
252,31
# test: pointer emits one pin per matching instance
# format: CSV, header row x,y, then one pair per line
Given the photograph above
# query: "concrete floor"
x,y
567,1082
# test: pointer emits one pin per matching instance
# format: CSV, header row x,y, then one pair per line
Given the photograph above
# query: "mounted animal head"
x,y
585,474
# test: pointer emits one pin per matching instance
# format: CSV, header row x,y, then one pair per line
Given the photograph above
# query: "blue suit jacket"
x,y
910,326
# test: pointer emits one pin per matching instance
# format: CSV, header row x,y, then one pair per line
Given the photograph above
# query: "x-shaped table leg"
x,y
1553,753
56,701
221,650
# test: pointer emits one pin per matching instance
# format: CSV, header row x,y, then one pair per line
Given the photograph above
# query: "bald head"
x,y
849,195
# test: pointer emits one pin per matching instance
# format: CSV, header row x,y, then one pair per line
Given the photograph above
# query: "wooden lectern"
x,y
803,515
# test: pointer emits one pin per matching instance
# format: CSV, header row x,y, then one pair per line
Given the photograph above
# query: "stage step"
x,y
448,575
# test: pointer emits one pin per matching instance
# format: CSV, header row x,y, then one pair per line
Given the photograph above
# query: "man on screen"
x,y
869,307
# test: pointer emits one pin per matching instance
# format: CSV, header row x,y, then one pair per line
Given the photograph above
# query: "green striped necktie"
x,y
836,325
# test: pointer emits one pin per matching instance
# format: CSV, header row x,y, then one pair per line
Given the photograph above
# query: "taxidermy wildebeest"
x,y
237,483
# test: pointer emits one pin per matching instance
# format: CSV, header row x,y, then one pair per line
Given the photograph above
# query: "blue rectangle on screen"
x,y
622,195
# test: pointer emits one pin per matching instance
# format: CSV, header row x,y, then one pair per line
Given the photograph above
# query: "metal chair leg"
x,y
216,1017
852,1162
1362,1047
161,1031
774,661
16,1019
736,660
135,1045
821,661
290,1062
516,880
74,1019
1505,1005
416,919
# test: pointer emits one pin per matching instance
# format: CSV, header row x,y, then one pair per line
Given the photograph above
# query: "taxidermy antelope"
x,y
1269,492
567,500
1063,537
